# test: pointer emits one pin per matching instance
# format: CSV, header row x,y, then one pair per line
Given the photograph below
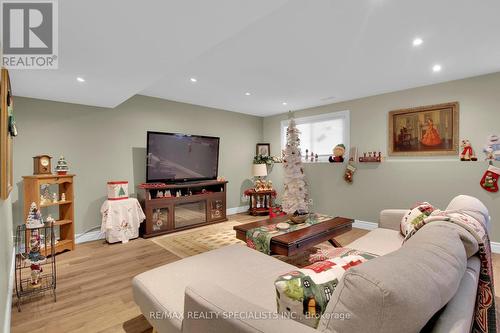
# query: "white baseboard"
x,y
8,305
364,225
89,236
495,247
236,210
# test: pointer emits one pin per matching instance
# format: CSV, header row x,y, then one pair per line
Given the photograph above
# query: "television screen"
x,y
180,157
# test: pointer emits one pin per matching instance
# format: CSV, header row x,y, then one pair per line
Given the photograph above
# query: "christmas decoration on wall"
x,y
371,157
62,166
467,153
492,148
295,196
349,173
490,179
338,154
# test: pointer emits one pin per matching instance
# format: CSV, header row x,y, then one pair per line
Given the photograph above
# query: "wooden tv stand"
x,y
189,205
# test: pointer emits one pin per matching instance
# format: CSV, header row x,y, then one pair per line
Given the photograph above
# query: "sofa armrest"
x,y
212,309
391,218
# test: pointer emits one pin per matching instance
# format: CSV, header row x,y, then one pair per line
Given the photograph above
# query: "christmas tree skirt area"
x,y
195,241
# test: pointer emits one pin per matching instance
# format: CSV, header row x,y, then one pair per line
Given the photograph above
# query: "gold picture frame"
x,y
424,131
6,151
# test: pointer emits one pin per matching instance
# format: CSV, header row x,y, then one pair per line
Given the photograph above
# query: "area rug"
x,y
195,241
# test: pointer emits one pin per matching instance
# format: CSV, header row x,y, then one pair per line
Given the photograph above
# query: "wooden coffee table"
x,y
293,242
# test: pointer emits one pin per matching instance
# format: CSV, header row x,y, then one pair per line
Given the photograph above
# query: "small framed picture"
x,y
263,149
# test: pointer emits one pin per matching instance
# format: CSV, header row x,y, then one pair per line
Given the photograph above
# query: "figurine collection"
x,y
34,259
47,198
263,185
371,157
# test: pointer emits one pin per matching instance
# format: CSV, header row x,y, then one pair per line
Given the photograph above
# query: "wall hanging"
x,y
425,130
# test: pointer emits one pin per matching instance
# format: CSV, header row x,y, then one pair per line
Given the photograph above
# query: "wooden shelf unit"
x,y
201,203
65,222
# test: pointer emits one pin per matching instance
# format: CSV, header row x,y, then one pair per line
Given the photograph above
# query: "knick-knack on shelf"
x,y
62,166
492,148
34,219
54,197
467,153
63,197
338,154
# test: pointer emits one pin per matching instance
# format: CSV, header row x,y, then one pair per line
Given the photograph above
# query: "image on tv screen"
x,y
174,157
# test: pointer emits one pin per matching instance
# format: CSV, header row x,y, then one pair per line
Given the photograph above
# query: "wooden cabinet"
x,y
171,208
65,220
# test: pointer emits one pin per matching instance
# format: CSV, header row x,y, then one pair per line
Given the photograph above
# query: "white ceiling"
x,y
304,52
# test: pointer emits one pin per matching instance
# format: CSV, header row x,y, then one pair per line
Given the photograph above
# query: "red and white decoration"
x,y
490,179
117,190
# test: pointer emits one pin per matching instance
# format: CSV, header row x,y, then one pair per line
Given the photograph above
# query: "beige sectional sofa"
x,y
432,280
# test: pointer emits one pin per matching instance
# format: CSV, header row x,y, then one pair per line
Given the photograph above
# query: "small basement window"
x,y
321,133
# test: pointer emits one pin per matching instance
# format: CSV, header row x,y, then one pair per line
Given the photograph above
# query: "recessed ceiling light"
x,y
80,79
436,68
417,41
284,103
247,94
193,79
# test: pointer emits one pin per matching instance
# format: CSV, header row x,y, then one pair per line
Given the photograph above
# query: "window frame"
x,y
344,115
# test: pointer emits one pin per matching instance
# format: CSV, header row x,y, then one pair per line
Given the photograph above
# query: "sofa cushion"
x,y
401,291
379,241
237,268
472,207
458,314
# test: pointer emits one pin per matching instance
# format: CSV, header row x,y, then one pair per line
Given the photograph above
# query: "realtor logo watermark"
x,y
29,34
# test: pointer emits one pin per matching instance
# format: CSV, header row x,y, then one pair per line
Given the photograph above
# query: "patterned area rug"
x,y
195,241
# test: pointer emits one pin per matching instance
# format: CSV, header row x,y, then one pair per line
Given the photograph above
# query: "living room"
x,y
332,135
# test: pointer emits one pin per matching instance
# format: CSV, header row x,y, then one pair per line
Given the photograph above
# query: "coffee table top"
x,y
305,237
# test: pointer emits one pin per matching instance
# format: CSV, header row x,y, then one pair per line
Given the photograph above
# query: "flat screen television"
x,y
173,158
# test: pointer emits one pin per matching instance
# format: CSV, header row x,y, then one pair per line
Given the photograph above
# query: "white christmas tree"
x,y
295,196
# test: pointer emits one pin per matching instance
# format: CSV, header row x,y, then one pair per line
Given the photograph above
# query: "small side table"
x,y
260,201
121,219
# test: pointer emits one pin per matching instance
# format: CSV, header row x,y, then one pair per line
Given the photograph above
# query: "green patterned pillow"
x,y
303,294
414,219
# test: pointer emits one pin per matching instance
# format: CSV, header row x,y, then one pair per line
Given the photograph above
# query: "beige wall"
x,y
6,251
400,182
103,144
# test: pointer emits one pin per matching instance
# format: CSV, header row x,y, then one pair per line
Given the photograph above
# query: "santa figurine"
x,y
338,154
467,152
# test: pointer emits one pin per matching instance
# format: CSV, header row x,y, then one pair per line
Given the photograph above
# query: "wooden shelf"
x,y
62,222
56,203
65,223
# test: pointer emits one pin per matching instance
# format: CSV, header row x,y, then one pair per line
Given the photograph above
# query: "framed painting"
x,y
424,131
7,126
263,149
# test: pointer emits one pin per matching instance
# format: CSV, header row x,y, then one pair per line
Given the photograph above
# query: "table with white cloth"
x,y
121,219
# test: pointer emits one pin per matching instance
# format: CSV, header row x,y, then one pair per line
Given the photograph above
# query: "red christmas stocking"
x,y
490,179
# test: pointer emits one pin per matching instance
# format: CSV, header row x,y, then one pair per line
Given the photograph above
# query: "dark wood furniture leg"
x,y
334,242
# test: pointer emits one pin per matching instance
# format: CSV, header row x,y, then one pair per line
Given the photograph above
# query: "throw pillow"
x,y
303,294
413,220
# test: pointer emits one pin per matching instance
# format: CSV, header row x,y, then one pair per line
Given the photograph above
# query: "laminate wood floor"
x,y
94,292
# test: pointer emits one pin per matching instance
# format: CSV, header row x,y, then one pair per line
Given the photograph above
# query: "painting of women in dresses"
x,y
428,130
